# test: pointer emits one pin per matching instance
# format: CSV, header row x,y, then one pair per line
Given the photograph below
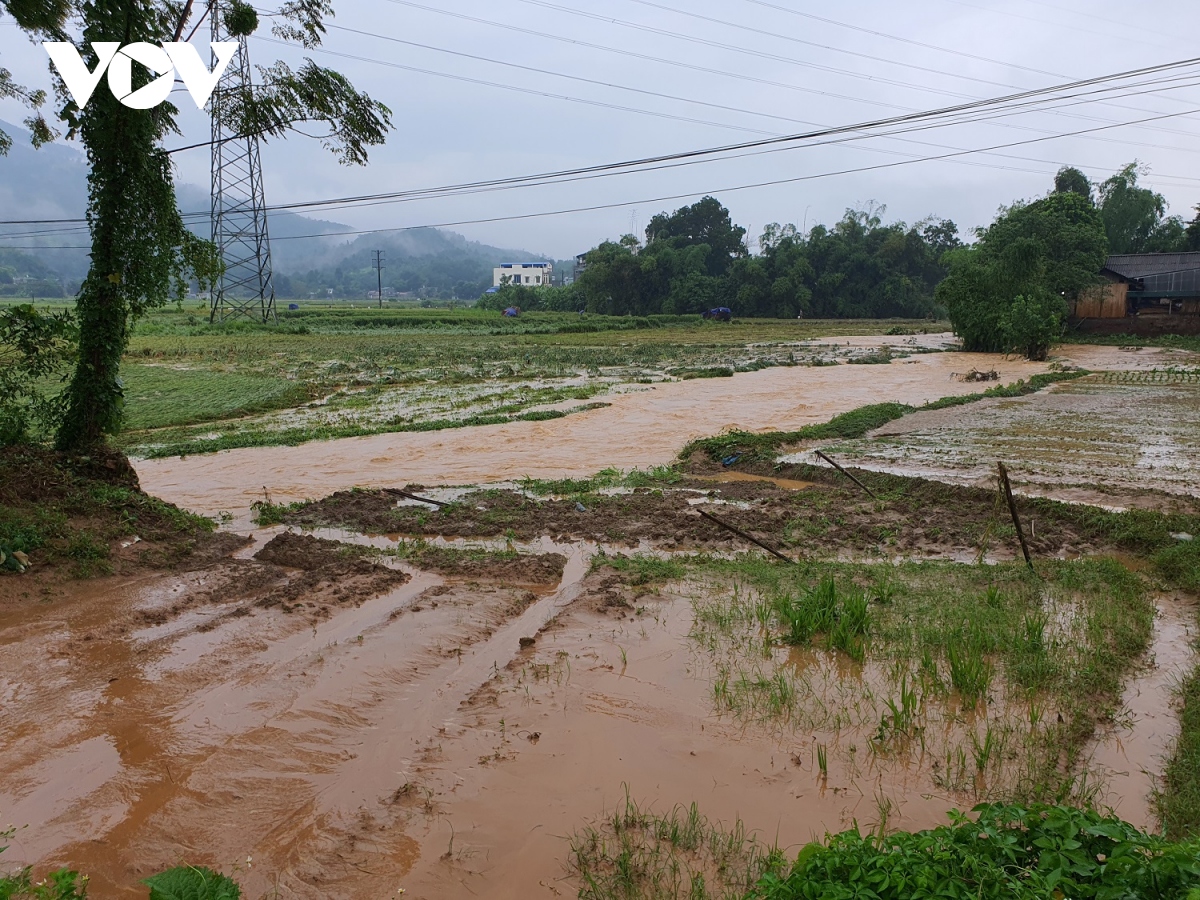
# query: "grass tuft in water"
x,y
638,854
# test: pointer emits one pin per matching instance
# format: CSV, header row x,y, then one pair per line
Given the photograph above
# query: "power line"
x,y
657,114
723,190
924,120
737,25
676,63
650,29
1013,15
643,56
797,40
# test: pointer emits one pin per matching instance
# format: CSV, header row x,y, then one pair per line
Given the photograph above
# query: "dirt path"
x,y
640,429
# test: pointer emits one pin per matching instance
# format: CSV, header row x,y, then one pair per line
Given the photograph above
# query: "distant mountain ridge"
x,y
309,255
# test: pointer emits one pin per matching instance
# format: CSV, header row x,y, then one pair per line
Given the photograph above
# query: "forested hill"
x,y
310,256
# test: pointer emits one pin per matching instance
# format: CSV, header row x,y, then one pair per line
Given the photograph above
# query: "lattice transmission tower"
x,y
239,214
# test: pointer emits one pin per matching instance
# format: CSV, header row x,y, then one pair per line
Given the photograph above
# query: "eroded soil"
x,y
831,516
347,713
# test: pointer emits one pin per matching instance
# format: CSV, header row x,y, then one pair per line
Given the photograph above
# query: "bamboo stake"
x,y
407,496
745,536
833,463
1012,508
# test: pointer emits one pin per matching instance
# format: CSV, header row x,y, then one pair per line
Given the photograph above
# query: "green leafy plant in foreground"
x,y
61,885
192,883
1010,852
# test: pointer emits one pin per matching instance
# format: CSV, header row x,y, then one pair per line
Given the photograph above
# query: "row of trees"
x,y
1135,217
696,258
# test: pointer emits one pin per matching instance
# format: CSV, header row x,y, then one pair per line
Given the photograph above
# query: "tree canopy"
x,y
141,254
696,258
1135,218
1009,291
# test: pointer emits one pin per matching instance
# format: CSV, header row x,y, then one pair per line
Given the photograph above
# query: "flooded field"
x,y
377,693
644,426
1096,439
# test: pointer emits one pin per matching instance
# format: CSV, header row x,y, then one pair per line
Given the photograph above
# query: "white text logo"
x,y
166,61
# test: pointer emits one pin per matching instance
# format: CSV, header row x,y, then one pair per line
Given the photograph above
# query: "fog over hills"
x,y
309,255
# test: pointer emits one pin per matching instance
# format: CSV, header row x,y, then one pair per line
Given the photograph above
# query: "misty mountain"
x,y
310,256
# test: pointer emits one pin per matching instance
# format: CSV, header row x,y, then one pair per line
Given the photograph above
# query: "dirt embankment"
x,y
912,517
76,517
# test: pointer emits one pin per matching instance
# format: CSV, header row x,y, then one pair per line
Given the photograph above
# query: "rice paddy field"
x,y
572,606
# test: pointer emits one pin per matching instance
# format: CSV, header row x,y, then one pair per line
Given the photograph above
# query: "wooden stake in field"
x,y
833,463
396,492
745,536
1012,508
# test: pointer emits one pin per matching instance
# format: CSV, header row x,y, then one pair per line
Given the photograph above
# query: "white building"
x,y
524,274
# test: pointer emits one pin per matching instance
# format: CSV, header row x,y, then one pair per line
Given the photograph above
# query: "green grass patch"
x,y
1178,796
639,854
1006,853
656,476
291,437
640,568
162,396
853,424
55,512
1041,660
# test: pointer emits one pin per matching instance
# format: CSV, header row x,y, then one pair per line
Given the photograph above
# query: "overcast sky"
x,y
791,73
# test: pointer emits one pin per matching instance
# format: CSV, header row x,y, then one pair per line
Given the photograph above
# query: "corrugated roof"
x,y
1144,265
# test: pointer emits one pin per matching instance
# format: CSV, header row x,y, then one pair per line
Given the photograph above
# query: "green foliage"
x,y
1070,180
34,347
1178,796
1135,217
843,618
241,19
62,884
536,298
141,253
1045,252
1033,323
852,424
192,883
641,568
1008,853
636,854
695,259
162,396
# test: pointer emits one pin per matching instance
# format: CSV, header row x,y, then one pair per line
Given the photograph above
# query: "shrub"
x,y
1008,853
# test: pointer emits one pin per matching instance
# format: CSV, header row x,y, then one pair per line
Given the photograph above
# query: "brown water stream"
x,y
638,430
416,740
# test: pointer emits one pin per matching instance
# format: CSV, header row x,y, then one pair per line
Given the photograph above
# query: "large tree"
x,y
1009,291
141,254
1070,180
706,223
1135,217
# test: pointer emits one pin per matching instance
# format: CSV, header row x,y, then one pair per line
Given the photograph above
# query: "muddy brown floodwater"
x,y
638,430
415,741
323,726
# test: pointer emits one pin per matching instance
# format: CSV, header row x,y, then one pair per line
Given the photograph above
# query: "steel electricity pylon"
x,y
239,214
